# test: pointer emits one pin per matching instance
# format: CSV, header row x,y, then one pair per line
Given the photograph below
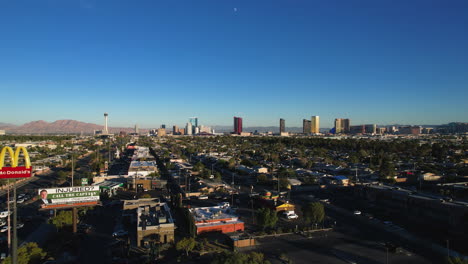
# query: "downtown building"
x,y
282,127
342,125
315,125
306,126
237,125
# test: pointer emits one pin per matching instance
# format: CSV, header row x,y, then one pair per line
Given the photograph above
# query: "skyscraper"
x,y
237,125
175,130
194,122
342,125
106,131
188,129
282,126
315,124
306,126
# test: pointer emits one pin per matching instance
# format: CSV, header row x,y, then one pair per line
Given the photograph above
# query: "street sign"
x,y
84,181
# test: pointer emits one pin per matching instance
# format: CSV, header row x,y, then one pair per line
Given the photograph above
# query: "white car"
x,y
119,233
202,197
357,212
4,214
290,215
21,200
19,225
4,229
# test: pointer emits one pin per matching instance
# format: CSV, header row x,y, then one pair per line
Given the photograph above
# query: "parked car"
x,y
120,233
19,225
202,197
21,200
290,215
4,214
4,228
357,212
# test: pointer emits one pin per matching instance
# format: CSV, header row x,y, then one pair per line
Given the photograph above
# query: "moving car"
x,y
357,212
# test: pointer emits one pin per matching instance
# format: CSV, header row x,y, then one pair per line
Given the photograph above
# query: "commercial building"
x,y
315,126
216,219
342,125
154,222
359,129
306,126
410,130
161,132
282,127
237,125
188,129
371,129
175,130
142,168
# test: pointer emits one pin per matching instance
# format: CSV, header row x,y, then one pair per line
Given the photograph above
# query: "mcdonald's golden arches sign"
x,y
15,171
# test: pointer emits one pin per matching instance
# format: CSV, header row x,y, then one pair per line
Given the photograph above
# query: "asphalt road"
x,y
332,247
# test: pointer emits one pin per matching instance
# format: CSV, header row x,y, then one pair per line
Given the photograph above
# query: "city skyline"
x,y
156,63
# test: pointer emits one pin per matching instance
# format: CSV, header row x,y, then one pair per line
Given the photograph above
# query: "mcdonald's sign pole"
x,y
15,172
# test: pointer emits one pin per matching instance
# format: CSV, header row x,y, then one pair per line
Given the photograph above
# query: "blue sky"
x,y
152,62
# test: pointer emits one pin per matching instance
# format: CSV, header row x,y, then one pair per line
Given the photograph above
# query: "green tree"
x,y
28,254
314,213
61,175
386,170
217,175
239,258
198,166
262,178
63,218
266,218
186,244
457,260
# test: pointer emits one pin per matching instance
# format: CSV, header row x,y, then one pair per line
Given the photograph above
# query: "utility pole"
x,y
72,169
14,248
448,250
9,217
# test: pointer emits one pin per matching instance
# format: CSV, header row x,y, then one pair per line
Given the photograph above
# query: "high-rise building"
x,y
282,126
342,125
188,129
306,126
163,126
106,131
237,125
194,122
315,124
175,130
371,129
136,129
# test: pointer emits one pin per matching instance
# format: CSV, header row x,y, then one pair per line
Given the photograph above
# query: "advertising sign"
x,y
15,171
69,196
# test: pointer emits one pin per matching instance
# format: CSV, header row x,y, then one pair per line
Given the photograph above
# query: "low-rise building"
x,y
216,218
154,221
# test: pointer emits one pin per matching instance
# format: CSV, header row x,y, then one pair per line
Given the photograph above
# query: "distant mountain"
x,y
60,126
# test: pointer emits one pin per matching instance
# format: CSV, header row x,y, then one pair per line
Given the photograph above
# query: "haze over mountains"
x,y
59,126
73,126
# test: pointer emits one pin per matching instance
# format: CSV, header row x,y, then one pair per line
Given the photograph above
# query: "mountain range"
x,y
60,127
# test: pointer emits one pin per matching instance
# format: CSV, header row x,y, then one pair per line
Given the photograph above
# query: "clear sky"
x,y
152,62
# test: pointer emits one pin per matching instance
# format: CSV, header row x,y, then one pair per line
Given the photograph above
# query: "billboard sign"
x,y
15,171
69,196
